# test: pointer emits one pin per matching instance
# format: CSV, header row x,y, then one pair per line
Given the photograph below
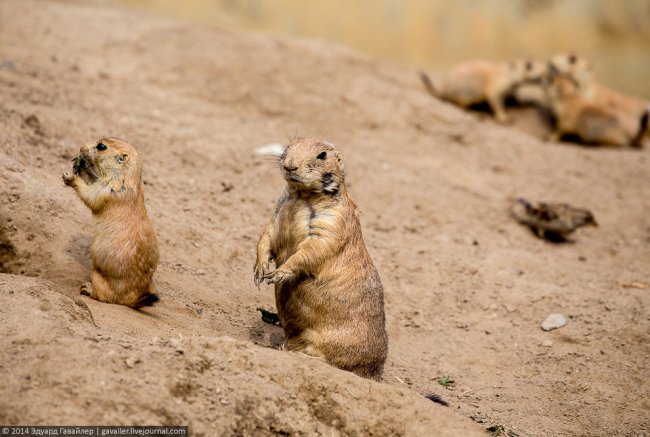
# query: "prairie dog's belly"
x,y
293,228
119,245
597,126
465,88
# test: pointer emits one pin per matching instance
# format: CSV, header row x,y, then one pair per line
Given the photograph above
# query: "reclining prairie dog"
x,y
328,293
107,178
595,122
475,82
581,71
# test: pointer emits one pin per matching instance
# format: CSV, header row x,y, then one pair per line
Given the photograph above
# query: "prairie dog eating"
x,y
107,177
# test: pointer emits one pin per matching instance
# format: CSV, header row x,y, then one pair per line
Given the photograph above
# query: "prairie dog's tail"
x,y
428,84
437,399
643,127
146,300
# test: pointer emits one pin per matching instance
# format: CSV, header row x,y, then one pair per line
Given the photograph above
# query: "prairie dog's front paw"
x,y
69,179
261,269
279,276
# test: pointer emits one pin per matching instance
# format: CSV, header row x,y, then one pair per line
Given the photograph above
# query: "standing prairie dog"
x,y
595,122
107,178
475,82
328,293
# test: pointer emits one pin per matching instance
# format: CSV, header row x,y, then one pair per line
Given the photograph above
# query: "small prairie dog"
x,y
475,82
595,122
580,69
328,293
107,177
631,109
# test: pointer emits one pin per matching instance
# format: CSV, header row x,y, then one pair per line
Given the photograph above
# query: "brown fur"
x,y
124,249
593,121
328,292
629,109
582,71
475,82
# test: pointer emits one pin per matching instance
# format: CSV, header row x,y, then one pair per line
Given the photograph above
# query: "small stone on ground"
x,y
553,321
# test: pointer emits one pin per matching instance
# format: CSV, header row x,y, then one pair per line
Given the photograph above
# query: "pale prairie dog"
x,y
107,177
328,293
579,69
593,121
474,82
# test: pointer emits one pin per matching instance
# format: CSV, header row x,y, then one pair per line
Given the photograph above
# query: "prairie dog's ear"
x,y
123,158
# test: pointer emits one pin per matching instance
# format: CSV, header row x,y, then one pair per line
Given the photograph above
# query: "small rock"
x,y
553,321
34,123
131,361
176,344
271,149
547,343
7,64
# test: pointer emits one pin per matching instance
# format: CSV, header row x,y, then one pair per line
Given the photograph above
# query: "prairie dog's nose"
x,y
84,149
289,166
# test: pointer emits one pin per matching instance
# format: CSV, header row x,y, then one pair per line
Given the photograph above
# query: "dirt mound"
x,y
466,287
64,369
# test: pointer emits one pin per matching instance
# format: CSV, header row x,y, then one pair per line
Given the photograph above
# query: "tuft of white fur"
x,y
271,149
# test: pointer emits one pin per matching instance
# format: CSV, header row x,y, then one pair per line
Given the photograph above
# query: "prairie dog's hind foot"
x,y
553,137
502,118
86,289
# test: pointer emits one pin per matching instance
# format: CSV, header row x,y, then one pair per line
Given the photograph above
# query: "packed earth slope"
x,y
466,287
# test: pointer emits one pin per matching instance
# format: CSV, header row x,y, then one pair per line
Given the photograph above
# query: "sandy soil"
x,y
466,288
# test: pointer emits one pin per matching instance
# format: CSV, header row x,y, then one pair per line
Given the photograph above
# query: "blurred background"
x,y
435,34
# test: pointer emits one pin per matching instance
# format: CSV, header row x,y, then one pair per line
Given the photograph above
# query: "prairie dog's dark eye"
x,y
322,155
101,146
